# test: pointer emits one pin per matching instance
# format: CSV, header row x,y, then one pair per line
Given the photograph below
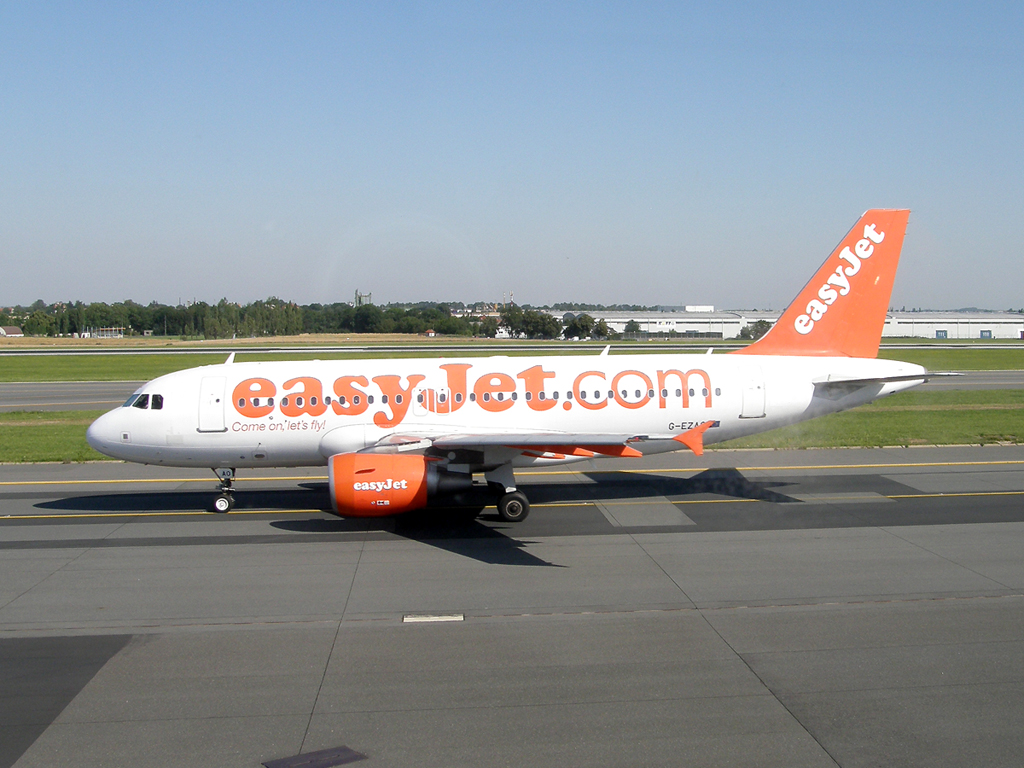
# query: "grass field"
x,y
60,436
911,418
1005,359
143,367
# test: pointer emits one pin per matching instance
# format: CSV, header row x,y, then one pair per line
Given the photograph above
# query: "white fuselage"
x,y
299,413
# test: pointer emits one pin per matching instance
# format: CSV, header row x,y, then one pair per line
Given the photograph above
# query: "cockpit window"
x,y
157,402
129,401
142,402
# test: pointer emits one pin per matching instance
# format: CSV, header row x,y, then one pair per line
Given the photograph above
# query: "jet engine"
x,y
380,484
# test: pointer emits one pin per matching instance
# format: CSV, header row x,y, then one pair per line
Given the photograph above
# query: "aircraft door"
x,y
753,394
211,404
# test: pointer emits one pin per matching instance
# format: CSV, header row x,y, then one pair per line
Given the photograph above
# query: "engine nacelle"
x,y
380,484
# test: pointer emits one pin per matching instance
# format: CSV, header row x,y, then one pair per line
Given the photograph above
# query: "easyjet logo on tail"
x,y
838,283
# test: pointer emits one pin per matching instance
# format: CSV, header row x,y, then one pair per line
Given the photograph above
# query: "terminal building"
x,y
709,324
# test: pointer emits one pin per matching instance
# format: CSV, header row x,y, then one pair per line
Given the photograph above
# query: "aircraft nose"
x,y
103,433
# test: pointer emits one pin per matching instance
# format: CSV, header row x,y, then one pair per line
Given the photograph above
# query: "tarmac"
x,y
792,608
103,395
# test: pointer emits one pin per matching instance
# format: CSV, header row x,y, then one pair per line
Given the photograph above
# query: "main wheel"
x,y
223,503
514,507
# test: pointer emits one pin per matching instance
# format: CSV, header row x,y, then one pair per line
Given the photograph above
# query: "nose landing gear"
x,y
226,501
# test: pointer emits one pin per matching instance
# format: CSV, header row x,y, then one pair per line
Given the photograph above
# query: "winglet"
x,y
841,311
694,438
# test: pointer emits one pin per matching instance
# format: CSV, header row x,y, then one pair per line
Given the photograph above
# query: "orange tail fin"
x,y
842,309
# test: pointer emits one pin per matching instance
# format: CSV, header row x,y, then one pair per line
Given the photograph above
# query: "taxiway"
x,y
791,608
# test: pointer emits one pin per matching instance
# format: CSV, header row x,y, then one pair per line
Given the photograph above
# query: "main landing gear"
x,y
226,501
513,506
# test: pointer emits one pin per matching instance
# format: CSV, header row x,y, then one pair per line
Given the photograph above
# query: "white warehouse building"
x,y
728,324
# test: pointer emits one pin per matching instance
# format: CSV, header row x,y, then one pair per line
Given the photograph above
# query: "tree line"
x,y
276,317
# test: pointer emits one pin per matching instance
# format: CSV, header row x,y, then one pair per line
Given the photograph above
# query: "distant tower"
x,y
363,298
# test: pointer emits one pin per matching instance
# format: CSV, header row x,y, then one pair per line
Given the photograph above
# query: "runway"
x,y
792,608
101,395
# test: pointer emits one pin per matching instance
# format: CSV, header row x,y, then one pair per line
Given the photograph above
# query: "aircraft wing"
x,y
538,443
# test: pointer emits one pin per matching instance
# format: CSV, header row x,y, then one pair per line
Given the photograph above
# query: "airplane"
x,y
403,434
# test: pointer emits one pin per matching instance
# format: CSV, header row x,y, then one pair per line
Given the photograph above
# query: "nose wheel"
x,y
226,501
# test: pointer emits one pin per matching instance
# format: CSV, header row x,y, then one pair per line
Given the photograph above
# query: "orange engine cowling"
x,y
375,484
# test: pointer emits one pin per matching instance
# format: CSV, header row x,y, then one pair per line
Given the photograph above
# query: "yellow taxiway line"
x,y
670,470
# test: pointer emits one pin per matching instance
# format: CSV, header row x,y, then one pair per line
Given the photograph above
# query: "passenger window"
x,y
142,402
458,397
384,399
664,393
583,395
487,396
717,391
419,398
515,396
298,402
270,401
369,399
355,400
327,400
255,402
529,396
679,393
398,399
691,393
284,402
704,392
472,397
157,403
650,393
597,395
568,395
554,395
312,401
542,396
638,394
501,396
442,397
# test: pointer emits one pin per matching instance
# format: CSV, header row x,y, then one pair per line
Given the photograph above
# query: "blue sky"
x,y
635,152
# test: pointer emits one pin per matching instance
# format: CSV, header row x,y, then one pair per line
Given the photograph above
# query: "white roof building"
x,y
728,324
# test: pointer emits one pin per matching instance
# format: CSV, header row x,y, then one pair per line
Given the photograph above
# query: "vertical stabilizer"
x,y
841,311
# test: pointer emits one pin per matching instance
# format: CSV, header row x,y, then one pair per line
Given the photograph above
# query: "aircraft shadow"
x,y
454,529
186,501
449,530
628,485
